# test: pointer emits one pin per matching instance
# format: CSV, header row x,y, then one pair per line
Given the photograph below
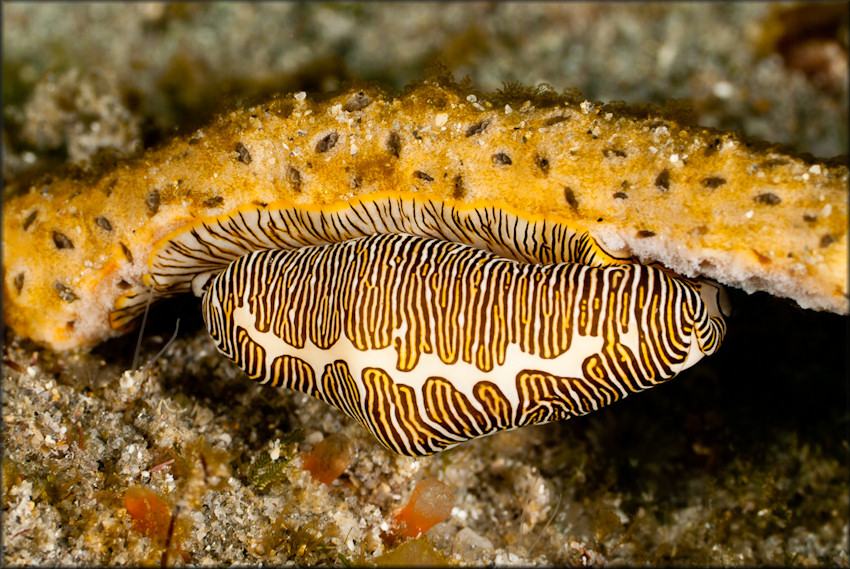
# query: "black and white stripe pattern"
x,y
213,244
429,342
187,260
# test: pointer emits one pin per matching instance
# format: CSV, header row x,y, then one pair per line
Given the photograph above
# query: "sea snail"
x,y
536,187
432,324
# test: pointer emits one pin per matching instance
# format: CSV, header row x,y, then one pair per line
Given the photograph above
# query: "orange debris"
x,y
430,503
330,457
150,513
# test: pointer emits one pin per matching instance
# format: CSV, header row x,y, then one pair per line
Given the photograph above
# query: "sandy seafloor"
x,y
742,460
